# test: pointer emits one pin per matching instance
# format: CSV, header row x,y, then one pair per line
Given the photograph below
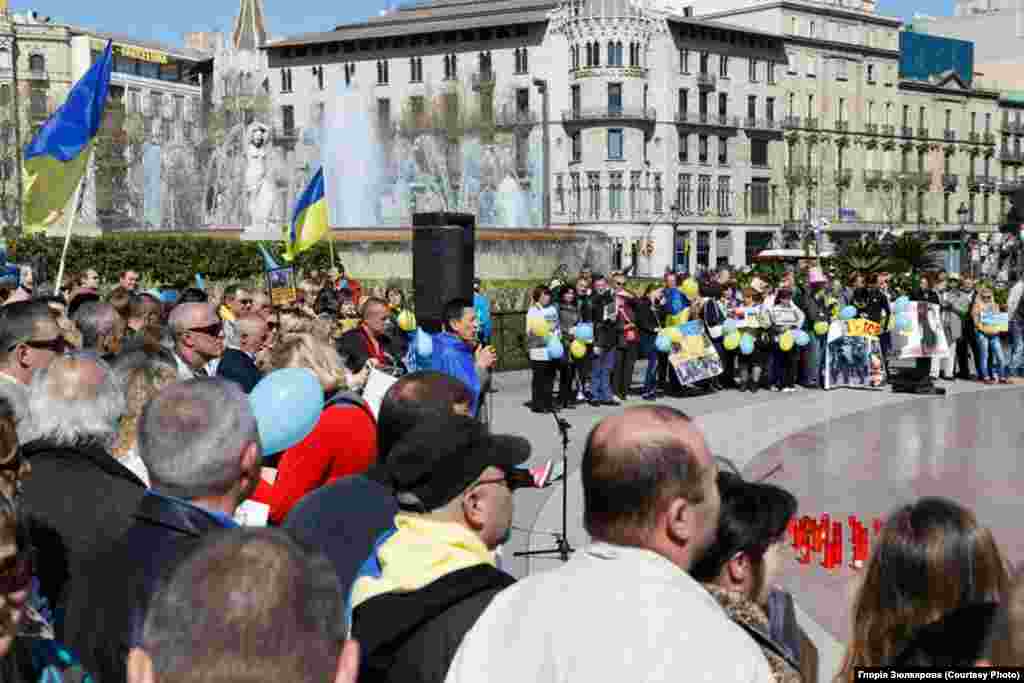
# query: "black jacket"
x,y
814,307
238,367
355,349
647,316
106,610
78,501
596,311
413,637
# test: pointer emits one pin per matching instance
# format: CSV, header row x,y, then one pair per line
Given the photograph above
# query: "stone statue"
x,y
260,182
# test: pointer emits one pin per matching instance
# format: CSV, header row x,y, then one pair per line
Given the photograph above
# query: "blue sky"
x,y
167,21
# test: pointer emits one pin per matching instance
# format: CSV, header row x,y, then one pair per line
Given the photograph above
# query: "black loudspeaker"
x,y
443,259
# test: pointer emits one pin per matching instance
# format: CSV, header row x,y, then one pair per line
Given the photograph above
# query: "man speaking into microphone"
x,y
457,352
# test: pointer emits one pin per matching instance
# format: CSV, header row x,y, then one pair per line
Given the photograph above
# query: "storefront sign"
x,y
134,52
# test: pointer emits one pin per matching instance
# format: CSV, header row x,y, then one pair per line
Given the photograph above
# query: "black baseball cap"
x,y
439,459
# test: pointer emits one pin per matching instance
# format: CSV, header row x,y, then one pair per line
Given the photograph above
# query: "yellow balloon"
x,y
684,316
406,321
691,289
540,327
578,349
821,327
732,341
786,341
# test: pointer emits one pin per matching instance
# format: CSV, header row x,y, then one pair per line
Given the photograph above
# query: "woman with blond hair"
x,y
934,574
344,440
142,375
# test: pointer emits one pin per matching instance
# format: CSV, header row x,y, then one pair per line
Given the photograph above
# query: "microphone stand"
x,y
562,548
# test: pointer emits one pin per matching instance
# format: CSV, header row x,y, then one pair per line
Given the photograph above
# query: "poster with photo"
x,y
695,358
925,337
853,355
748,317
281,285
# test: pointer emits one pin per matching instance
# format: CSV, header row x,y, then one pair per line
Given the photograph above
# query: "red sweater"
x,y
343,442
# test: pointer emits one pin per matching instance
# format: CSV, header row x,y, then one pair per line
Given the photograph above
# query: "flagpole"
x,y
330,243
70,223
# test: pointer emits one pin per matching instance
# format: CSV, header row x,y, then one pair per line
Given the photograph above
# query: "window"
x,y
723,105
634,193
577,148
658,194
906,116
450,102
615,194
383,114
871,73
560,193
595,54
685,192
634,54
724,196
841,110
702,106
752,70
751,107
523,100
179,108
133,103
614,54
792,62
702,149
771,73
723,66
812,66
841,69
37,63
382,72
974,122
574,56
888,113
703,193
574,99
684,61
810,106
759,153
350,73
704,59
522,61
760,197
522,150
922,118
949,119
37,103
451,67
988,122
794,26
286,80
684,102
416,70
684,148
484,64
288,120
870,113
769,109
320,114
5,58
577,194
615,99
615,144
811,29
594,185
723,150
416,109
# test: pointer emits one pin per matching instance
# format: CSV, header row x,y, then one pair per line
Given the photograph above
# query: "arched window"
x,y
597,54
37,63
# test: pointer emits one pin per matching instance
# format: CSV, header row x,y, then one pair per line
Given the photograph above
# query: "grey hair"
x,y
127,363
95,320
67,419
192,434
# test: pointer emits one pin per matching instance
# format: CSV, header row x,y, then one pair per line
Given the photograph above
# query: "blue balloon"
x,y
663,343
904,323
287,405
555,349
585,332
900,305
848,313
730,327
801,338
424,344
746,344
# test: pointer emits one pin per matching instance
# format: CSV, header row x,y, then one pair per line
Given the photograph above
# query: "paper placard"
x,y
252,514
377,384
995,323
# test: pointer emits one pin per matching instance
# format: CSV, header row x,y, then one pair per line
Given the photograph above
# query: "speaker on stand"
x,y
443,264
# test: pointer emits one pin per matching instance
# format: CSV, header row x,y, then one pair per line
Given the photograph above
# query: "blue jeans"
x,y
1016,348
601,375
990,346
651,376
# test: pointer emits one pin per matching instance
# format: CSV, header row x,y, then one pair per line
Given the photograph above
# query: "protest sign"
x,y
694,357
919,332
853,355
995,323
281,284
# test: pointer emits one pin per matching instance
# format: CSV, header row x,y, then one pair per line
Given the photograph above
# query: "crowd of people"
x,y
128,444
626,324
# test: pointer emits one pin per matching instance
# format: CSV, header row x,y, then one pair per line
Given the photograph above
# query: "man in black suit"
x,y
371,340
239,365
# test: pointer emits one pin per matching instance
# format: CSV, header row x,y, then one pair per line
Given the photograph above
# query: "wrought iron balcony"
x,y
872,178
581,116
984,183
974,136
842,126
844,177
762,124
811,123
949,135
989,138
791,122
888,129
1010,186
907,131
706,81
950,181
713,120
871,128
1008,155
923,132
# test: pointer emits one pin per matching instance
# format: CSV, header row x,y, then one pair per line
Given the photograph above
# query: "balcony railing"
x,y
949,135
1010,186
871,128
844,177
791,122
1007,154
511,117
762,124
888,130
974,137
907,131
1016,127
482,79
706,81
811,123
950,181
923,132
610,114
989,138
984,183
915,179
842,126
872,178
795,175
716,120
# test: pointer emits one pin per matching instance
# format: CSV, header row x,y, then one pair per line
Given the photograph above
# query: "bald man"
x,y
239,365
198,338
651,507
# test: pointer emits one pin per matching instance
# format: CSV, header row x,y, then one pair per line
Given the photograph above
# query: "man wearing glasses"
x,y
29,340
198,338
433,573
237,304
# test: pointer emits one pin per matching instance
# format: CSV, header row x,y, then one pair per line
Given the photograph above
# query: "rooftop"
x,y
183,53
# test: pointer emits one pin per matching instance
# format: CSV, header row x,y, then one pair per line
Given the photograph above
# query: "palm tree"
x,y
913,253
858,257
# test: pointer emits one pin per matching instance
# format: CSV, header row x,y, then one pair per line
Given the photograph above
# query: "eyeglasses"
x,y
57,344
245,302
213,330
14,464
16,572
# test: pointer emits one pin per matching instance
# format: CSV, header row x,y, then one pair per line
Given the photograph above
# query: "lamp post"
x,y
963,213
542,88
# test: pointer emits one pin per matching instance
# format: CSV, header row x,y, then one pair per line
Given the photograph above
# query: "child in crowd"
x,y
749,367
785,317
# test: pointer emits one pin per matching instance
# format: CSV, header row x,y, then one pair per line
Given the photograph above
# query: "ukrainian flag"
x,y
309,222
56,159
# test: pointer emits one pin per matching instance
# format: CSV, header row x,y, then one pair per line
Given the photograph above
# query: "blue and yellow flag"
x,y
309,222
56,158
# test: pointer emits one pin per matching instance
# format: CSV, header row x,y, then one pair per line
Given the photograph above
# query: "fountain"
x,y
152,185
352,161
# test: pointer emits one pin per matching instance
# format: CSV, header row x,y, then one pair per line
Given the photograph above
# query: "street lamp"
x,y
963,213
542,88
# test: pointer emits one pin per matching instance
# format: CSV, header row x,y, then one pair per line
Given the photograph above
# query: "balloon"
x,y
578,349
746,344
904,323
848,313
786,341
406,321
730,327
732,341
424,344
900,306
684,316
287,405
663,343
585,332
540,327
821,328
691,289
555,349
802,338
674,335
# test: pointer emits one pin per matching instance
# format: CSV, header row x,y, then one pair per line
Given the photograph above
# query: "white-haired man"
x,y
102,328
198,338
29,340
79,499
200,443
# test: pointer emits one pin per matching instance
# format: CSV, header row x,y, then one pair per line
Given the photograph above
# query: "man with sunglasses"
x,y
198,338
237,303
29,340
432,575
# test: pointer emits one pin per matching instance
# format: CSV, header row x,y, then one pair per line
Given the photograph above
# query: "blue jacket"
x,y
454,357
483,315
